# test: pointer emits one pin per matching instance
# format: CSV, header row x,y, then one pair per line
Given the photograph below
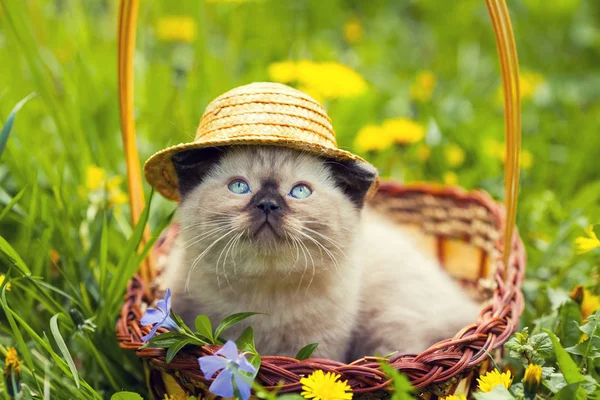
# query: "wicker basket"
x,y
464,230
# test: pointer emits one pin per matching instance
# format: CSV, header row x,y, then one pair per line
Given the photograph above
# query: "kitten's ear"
x,y
354,178
192,166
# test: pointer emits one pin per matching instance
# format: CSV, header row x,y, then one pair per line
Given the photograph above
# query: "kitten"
x,y
279,231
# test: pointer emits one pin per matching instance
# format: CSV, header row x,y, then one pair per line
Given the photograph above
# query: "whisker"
x,y
199,257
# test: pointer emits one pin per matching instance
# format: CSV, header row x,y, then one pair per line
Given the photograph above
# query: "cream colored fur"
x,y
356,288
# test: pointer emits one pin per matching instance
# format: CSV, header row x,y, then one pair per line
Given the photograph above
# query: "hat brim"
x,y
160,172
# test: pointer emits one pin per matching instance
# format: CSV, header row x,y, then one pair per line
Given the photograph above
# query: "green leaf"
x,y
204,327
403,389
592,325
542,347
231,321
62,346
573,391
181,323
126,396
523,347
173,350
499,392
10,121
570,319
565,362
306,351
245,343
555,382
165,340
587,349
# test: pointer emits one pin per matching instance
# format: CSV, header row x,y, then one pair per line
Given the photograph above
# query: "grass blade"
x,y
11,253
62,346
5,132
12,202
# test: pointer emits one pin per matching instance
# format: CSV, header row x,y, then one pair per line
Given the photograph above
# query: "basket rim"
x,y
439,363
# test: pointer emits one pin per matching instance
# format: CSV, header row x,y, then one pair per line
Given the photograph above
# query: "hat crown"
x,y
258,114
266,109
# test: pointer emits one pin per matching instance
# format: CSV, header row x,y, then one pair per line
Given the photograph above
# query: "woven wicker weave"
x,y
463,229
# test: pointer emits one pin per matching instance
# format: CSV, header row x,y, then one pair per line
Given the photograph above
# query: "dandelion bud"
x,y
577,294
532,380
12,372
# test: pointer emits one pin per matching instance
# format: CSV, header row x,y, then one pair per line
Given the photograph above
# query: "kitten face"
x,y
255,211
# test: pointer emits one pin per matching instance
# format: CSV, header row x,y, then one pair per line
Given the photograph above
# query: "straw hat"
x,y
261,113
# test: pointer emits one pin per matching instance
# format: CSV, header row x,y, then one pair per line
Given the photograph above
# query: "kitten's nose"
x,y
267,206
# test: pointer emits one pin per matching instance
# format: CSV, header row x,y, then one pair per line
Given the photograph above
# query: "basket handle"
x,y
128,11
509,65
507,53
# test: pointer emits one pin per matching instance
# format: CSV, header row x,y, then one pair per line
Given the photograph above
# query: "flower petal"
x,y
223,385
168,300
152,316
170,324
245,365
211,364
229,350
151,334
243,385
161,305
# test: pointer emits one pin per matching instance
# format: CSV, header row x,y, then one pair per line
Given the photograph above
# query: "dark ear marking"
x,y
354,178
192,166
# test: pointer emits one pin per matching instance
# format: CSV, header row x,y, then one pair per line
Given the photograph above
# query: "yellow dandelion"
x,y
532,378
115,195
495,149
95,177
584,244
312,92
492,379
450,178
8,285
590,304
332,80
372,138
455,397
455,155
526,159
176,29
423,152
11,362
283,72
422,88
323,81
529,82
353,30
321,386
403,130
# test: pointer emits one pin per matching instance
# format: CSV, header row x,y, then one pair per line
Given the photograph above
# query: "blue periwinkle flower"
x,y
159,317
234,366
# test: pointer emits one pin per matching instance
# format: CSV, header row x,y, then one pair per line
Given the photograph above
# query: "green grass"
x,y
61,313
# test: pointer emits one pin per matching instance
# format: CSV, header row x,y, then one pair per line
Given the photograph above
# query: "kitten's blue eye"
x,y
239,186
300,191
